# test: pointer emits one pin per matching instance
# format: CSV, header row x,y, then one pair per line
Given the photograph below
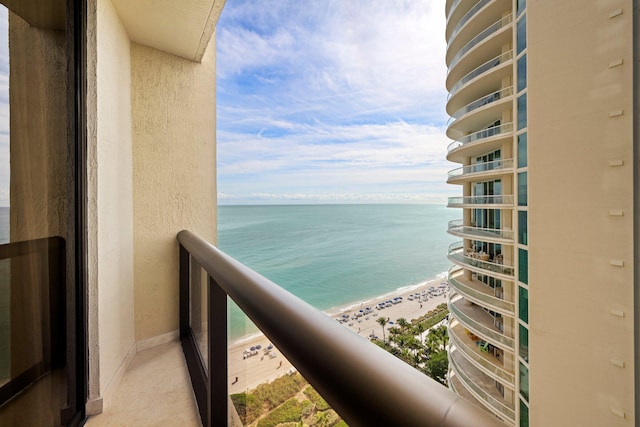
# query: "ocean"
x,y
335,255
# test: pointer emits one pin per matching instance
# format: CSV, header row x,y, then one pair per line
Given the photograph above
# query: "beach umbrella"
x,y
258,347
253,348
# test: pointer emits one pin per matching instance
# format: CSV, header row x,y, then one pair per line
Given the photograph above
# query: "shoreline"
x,y
247,369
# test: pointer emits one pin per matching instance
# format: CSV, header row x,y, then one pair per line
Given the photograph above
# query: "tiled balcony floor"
x,y
155,391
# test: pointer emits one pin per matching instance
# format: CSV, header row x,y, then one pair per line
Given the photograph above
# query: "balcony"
x,y
480,170
487,34
481,14
480,263
483,360
470,13
457,228
338,363
485,68
480,142
459,388
479,293
481,323
483,101
481,385
490,202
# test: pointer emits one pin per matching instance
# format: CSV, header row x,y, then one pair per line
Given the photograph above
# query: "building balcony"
x,y
486,109
478,171
491,39
480,263
490,202
481,14
481,386
500,235
455,12
459,388
496,67
493,97
479,293
472,350
478,321
477,143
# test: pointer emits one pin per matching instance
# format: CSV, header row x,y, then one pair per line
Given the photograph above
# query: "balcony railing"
x,y
494,62
477,263
486,33
339,364
452,8
493,403
482,134
494,199
457,229
471,354
466,18
498,304
485,100
481,329
496,165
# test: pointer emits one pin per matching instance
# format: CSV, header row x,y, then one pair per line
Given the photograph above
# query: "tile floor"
x,y
155,391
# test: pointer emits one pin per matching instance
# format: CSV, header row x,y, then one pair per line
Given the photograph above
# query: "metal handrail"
x,y
492,63
452,8
482,101
490,30
481,167
499,339
483,363
494,199
486,398
500,130
338,363
497,304
470,13
479,265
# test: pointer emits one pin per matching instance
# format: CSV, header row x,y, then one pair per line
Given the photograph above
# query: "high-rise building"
x,y
541,99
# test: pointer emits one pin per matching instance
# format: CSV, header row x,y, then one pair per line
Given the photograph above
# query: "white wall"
x,y
110,196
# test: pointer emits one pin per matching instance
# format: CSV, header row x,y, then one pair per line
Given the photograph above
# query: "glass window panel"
x,y
522,150
523,266
522,73
521,34
524,414
521,6
523,304
522,227
524,381
522,189
522,111
524,342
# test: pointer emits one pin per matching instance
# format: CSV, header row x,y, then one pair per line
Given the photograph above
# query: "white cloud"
x,y
332,97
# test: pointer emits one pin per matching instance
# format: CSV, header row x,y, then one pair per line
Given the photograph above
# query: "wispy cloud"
x,y
331,97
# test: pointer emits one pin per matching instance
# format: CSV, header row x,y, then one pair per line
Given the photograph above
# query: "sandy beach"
x,y
247,371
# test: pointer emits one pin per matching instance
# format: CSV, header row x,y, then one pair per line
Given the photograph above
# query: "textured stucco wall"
x,y
111,318
174,164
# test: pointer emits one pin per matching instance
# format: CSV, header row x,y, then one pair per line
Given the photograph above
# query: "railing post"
x,y
185,269
217,336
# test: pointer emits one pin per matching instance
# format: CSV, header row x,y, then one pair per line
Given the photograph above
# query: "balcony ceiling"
x,y
182,28
49,15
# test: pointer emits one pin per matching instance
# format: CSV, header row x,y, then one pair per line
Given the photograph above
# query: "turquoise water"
x,y
331,255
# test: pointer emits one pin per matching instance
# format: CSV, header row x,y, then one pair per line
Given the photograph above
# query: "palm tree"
x,y
383,323
419,329
402,322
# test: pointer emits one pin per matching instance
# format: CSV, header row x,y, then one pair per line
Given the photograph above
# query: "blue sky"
x,y
331,101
